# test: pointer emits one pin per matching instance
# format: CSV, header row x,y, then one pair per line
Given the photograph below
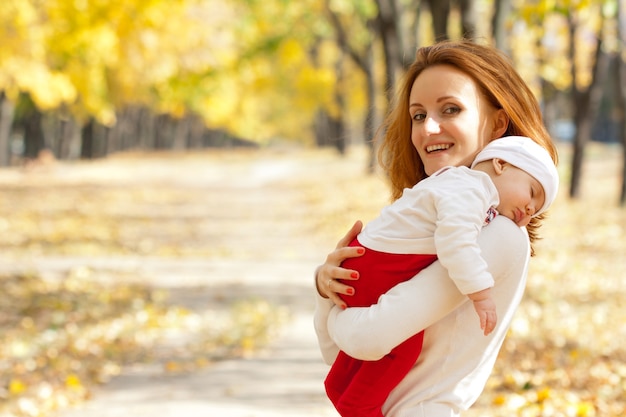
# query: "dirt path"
x,y
244,225
214,227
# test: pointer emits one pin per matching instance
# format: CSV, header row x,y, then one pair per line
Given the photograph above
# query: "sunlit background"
x,y
173,170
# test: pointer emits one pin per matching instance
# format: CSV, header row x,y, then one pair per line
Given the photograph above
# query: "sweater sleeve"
x,y
327,345
369,333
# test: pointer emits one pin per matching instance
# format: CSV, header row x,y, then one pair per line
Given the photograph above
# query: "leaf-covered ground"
x,y
66,330
565,353
60,338
63,333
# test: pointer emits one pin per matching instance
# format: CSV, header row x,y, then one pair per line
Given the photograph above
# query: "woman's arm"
x,y
369,333
327,345
328,295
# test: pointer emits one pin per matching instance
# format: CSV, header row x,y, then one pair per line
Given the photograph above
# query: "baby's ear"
x,y
498,165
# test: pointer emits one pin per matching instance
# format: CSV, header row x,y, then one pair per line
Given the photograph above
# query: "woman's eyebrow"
x,y
439,100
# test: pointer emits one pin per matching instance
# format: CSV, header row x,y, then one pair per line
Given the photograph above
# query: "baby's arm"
x,y
485,308
460,219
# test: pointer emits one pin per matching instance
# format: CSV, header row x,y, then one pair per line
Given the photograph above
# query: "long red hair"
x,y
496,78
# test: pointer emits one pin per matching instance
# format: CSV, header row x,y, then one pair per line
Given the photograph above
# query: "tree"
x,y
573,39
361,54
585,97
620,77
502,11
6,121
93,58
440,11
387,20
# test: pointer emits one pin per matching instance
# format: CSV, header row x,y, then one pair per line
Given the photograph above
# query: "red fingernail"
x,y
350,291
360,251
354,275
343,306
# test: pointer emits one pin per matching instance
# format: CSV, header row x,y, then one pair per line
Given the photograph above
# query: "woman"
x,y
456,98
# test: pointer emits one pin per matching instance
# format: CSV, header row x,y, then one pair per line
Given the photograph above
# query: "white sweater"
x,y
456,358
442,214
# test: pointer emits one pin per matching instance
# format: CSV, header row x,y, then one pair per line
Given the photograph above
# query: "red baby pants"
x,y
359,388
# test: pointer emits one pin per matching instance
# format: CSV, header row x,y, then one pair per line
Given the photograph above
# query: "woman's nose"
x,y
432,126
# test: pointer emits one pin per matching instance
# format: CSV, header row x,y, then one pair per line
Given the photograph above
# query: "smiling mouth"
x,y
438,147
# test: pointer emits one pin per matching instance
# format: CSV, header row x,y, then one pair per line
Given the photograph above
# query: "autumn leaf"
x,y
16,387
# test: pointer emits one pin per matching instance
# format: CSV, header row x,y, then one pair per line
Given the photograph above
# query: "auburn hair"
x,y
499,82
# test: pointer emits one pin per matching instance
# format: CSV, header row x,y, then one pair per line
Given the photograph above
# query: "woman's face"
x,y
451,119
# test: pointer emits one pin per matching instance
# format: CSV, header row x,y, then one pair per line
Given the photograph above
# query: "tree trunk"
x,y
33,133
163,132
328,130
364,61
181,133
622,197
87,139
114,136
7,110
340,101
387,20
146,132
196,132
502,9
370,122
67,135
94,140
584,102
467,9
102,139
440,11
620,77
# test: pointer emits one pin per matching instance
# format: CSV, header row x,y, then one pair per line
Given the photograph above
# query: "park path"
x,y
251,206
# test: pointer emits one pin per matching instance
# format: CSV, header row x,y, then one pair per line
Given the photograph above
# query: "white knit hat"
x,y
529,156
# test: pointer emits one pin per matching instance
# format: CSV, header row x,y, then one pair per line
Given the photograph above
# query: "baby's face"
x,y
521,195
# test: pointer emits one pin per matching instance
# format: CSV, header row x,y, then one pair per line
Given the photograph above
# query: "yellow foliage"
x,y
316,88
16,386
173,366
101,54
229,61
499,400
543,394
291,53
220,107
48,90
585,409
73,382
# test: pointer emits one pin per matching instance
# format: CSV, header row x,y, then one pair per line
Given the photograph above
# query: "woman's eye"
x,y
419,117
451,110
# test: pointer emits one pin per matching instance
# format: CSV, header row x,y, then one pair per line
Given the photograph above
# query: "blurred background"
x,y
84,79
172,171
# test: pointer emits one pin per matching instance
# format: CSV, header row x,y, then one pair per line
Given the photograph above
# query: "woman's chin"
x,y
433,165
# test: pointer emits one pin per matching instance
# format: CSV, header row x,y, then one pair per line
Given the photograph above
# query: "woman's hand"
x,y
327,274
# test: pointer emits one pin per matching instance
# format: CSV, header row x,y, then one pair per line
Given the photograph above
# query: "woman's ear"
x,y
500,124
